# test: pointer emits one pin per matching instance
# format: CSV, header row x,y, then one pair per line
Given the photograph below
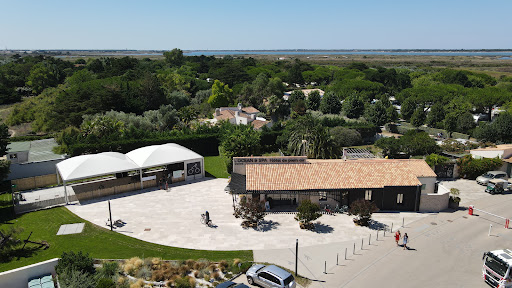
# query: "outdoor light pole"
x,y
110,213
296,255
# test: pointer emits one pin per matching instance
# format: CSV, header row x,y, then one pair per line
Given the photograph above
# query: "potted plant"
x,y
454,198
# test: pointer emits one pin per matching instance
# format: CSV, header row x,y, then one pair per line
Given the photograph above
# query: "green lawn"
x,y
215,166
99,242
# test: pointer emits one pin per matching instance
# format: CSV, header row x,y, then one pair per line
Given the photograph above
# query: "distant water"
x,y
320,52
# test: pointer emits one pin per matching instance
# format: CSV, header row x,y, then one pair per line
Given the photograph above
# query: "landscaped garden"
x,y
99,242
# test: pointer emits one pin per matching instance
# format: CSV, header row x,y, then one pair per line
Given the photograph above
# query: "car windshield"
x,y
288,280
487,175
495,264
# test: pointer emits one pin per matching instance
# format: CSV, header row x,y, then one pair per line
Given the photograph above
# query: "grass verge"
x,y
215,166
98,241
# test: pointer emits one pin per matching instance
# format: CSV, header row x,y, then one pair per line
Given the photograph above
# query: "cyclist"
x,y
207,215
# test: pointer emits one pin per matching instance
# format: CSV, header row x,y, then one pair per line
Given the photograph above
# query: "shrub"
x,y
184,270
70,278
307,212
72,261
363,210
454,195
471,168
190,262
132,265
109,269
138,284
434,159
216,275
184,282
106,283
251,211
144,273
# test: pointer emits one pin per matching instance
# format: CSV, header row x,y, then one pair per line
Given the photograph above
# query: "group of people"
x,y
405,239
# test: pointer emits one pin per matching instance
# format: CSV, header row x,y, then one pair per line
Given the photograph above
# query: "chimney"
x,y
239,106
217,111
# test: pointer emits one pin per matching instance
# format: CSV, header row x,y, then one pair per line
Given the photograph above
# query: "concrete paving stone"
x,y
174,219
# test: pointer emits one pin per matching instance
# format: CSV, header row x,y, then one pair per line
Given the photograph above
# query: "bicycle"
x,y
203,220
193,170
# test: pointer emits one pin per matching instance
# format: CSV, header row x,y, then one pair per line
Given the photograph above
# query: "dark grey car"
x,y
270,276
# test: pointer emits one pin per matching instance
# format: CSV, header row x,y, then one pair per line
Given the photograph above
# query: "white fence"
x,y
18,278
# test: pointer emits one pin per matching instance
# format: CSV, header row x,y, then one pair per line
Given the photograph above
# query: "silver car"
x,y
270,276
484,179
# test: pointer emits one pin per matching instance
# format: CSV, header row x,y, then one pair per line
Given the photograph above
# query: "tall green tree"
x,y
43,75
239,141
330,104
313,100
221,94
296,95
353,107
436,116
407,108
377,114
418,117
174,57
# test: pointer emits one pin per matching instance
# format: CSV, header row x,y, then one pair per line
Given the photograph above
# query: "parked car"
x,y
484,179
231,284
270,276
496,186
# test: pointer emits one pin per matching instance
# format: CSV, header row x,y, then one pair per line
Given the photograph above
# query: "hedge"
x,y
204,144
268,141
367,130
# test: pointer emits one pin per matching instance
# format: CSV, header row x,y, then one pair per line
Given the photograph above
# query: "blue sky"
x,y
258,24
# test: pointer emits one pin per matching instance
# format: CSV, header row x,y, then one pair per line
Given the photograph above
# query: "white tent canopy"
x,y
158,155
87,166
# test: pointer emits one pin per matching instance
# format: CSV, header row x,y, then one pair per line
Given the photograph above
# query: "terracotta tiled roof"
x,y
258,124
225,115
418,167
229,114
508,160
350,174
250,110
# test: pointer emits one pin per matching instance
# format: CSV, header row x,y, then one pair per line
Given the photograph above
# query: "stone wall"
x,y
434,202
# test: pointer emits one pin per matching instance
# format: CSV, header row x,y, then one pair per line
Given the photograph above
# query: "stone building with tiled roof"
x,y
391,184
240,115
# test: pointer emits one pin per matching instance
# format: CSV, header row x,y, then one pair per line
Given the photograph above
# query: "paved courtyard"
x,y
173,218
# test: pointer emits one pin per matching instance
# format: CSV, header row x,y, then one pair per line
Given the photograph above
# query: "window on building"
x,y
14,156
323,196
368,195
399,198
423,186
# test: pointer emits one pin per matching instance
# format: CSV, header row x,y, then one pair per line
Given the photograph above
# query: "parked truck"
x,y
497,268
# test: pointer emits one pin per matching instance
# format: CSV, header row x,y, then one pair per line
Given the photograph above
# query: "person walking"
x,y
405,239
397,237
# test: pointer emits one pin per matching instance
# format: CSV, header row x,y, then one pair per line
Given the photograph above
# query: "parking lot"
x,y
469,190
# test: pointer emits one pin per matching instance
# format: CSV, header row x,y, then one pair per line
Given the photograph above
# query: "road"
x,y
446,251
